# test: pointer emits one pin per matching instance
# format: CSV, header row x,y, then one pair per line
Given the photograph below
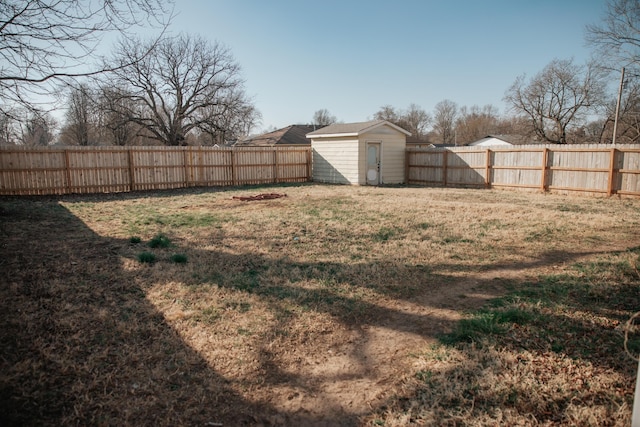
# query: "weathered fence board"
x,y
65,170
592,169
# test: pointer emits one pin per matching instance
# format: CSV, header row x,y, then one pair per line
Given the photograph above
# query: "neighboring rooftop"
x,y
290,135
510,139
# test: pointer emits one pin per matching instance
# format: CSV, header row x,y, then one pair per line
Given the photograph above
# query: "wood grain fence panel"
x,y
291,164
579,170
249,166
466,168
54,170
425,167
628,176
214,167
158,169
32,172
98,171
517,168
592,169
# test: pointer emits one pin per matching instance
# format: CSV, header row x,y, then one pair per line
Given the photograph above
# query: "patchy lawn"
x,y
334,305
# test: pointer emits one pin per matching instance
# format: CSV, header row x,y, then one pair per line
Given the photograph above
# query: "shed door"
x,y
373,163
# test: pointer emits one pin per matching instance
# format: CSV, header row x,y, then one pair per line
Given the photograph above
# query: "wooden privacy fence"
x,y
66,170
587,169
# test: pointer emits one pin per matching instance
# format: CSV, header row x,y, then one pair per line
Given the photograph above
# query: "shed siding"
x,y
335,161
343,159
393,145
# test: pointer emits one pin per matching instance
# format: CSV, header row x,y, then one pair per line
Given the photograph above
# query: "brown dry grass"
x,y
320,308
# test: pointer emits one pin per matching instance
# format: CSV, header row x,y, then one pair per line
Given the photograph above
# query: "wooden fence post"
x,y
407,164
132,172
487,178
200,168
185,160
67,167
275,165
612,173
234,176
444,167
543,179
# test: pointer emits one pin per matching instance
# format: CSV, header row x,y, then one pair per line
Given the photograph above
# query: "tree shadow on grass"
x,y
81,343
550,352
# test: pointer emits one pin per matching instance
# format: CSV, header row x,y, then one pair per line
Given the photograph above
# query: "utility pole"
x,y
615,121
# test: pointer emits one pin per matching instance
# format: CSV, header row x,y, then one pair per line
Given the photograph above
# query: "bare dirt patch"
x,y
313,309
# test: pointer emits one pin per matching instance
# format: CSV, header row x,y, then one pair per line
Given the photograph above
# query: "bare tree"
x,y
617,39
114,107
323,118
475,123
414,119
45,41
629,115
617,43
516,125
628,128
37,130
557,98
229,120
388,113
79,122
446,113
8,129
184,83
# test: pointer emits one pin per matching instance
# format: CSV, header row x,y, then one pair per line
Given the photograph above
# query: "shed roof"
x,y
353,129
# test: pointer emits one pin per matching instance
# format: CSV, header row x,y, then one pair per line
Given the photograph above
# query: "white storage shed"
x,y
364,153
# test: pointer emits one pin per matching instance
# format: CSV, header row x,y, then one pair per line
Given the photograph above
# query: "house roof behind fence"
x,y
290,135
514,139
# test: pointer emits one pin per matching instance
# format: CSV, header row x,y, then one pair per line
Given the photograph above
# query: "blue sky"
x,y
352,57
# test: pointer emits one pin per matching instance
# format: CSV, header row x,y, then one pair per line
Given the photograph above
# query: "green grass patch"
x,y
544,310
180,220
160,241
147,257
545,234
179,258
384,234
208,316
479,326
455,239
247,281
570,208
516,316
241,307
